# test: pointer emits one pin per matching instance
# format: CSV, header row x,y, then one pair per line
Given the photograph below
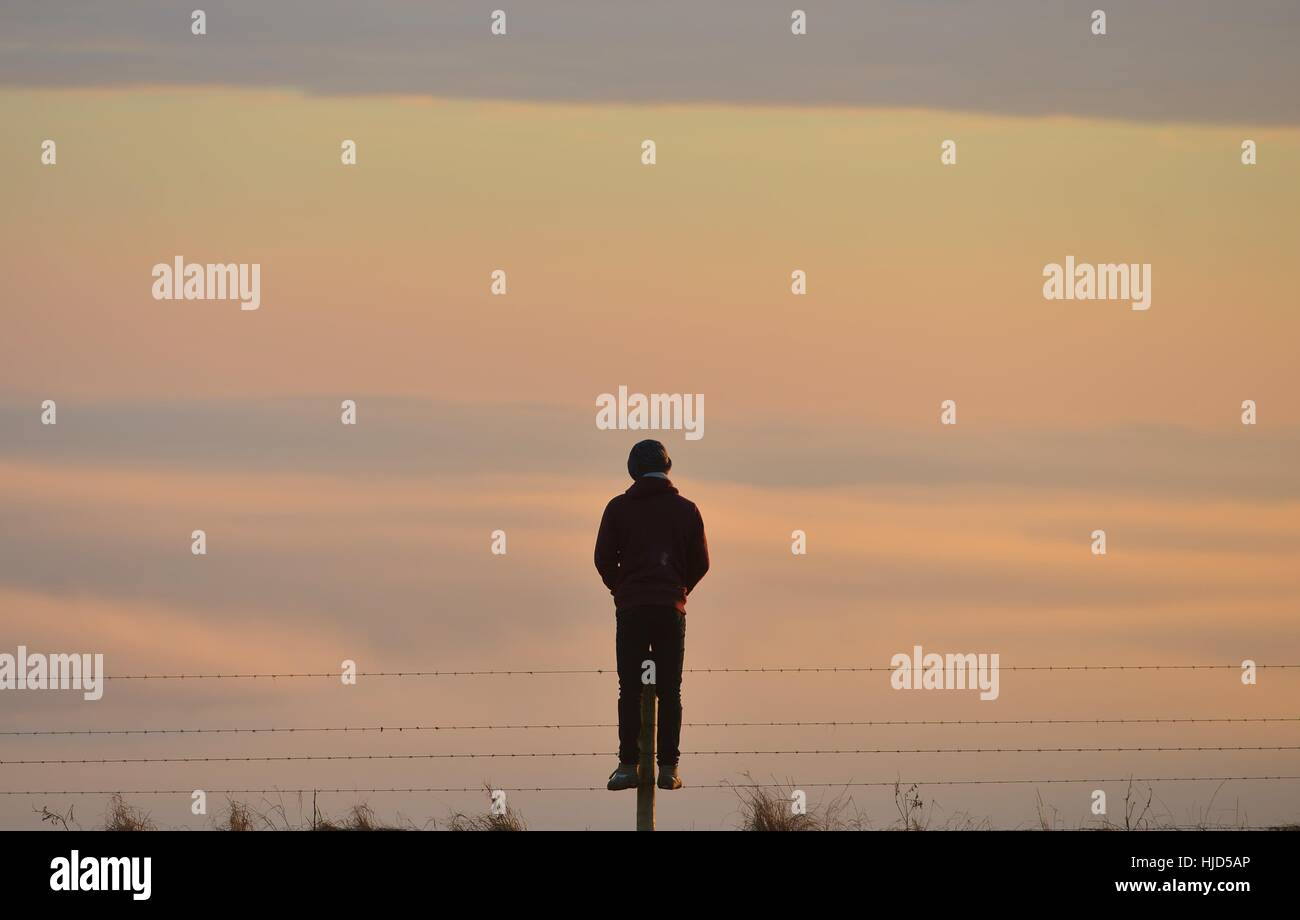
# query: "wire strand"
x,y
543,754
711,786
590,725
535,672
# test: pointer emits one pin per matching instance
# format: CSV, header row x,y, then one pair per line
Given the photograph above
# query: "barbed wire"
x,y
711,786
588,725
543,754
543,672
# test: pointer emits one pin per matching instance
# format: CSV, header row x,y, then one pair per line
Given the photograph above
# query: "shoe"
x,y
669,778
627,776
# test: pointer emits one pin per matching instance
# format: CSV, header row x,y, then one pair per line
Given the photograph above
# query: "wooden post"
x,y
645,790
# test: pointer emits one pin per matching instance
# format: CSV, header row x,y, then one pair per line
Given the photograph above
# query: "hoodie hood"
x,y
650,486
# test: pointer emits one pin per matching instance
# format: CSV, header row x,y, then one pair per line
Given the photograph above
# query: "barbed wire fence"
x,y
704,787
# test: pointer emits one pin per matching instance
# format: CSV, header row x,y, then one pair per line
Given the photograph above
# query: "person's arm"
x,y
698,563
608,550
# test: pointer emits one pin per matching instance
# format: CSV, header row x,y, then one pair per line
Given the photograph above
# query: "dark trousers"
x,y
657,634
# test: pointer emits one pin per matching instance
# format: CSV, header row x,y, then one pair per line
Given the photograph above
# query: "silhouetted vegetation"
x,y
774,806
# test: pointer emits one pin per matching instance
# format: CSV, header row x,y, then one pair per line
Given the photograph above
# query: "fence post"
x,y
645,790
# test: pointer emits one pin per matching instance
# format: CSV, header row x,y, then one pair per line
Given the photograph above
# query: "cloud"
x,y
1160,60
432,439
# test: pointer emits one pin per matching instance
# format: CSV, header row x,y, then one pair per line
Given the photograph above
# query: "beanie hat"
x,y
648,457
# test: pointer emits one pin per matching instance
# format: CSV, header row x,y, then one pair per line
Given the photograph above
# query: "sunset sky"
x,y
476,412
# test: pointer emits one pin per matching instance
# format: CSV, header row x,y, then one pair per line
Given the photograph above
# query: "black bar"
x,y
942,869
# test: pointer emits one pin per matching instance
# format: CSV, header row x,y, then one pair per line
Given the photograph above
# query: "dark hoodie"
x,y
651,550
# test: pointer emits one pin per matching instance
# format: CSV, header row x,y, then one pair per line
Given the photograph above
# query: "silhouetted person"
x,y
650,553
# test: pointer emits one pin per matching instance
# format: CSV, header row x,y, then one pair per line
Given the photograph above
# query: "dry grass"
x,y
774,808
124,817
767,807
912,813
771,808
1137,813
1049,818
358,818
57,819
238,817
507,820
